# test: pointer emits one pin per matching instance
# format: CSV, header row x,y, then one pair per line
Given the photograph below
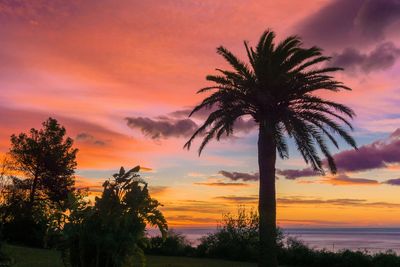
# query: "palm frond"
x,y
277,86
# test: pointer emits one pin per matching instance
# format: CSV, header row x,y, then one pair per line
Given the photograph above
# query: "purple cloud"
x,y
86,137
177,124
372,156
234,176
355,22
222,184
184,113
393,182
163,127
294,174
382,57
243,125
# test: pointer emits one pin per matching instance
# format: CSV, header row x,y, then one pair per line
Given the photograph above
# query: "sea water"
x,y
332,239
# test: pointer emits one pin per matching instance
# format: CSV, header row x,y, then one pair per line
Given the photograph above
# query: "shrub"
x,y
388,259
236,238
109,234
174,244
296,253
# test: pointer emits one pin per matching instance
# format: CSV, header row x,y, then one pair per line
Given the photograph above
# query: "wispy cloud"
x,y
158,189
178,124
356,22
343,202
235,176
195,206
222,184
86,137
239,199
395,182
163,127
382,57
371,156
343,179
294,174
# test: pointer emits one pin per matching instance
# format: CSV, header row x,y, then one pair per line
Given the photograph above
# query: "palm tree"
x,y
277,89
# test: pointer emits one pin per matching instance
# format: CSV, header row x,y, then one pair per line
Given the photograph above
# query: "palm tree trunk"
x,y
267,201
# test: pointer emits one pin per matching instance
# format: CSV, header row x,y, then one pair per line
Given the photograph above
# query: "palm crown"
x,y
276,88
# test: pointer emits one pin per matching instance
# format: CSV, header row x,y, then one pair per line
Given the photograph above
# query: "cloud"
x,y
146,169
195,206
371,156
393,182
382,57
300,222
342,202
235,176
177,124
91,154
163,127
375,16
158,189
247,199
355,22
177,220
37,12
184,113
294,174
93,185
343,179
222,184
85,137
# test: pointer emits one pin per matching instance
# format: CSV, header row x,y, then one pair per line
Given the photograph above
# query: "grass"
x,y
162,261
29,257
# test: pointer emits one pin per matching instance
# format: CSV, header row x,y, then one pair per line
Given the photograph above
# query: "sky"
x,y
122,75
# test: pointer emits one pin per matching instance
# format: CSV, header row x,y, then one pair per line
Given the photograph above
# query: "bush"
x,y
24,231
388,259
296,253
236,238
110,233
174,244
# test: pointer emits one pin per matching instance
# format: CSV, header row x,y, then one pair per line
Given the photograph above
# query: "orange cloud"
x,y
222,184
343,179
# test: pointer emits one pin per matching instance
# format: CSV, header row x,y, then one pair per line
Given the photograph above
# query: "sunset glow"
x,y
122,76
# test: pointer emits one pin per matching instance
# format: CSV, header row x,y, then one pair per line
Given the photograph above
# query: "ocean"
x,y
333,239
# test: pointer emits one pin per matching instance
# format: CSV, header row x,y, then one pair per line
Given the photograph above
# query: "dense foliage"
x,y
37,185
235,239
110,233
296,253
174,244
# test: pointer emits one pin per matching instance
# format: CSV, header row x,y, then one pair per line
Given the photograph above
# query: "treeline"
x,y
41,207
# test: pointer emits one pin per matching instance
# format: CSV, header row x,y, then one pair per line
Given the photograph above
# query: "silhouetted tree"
x,y
277,89
109,233
38,184
46,160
